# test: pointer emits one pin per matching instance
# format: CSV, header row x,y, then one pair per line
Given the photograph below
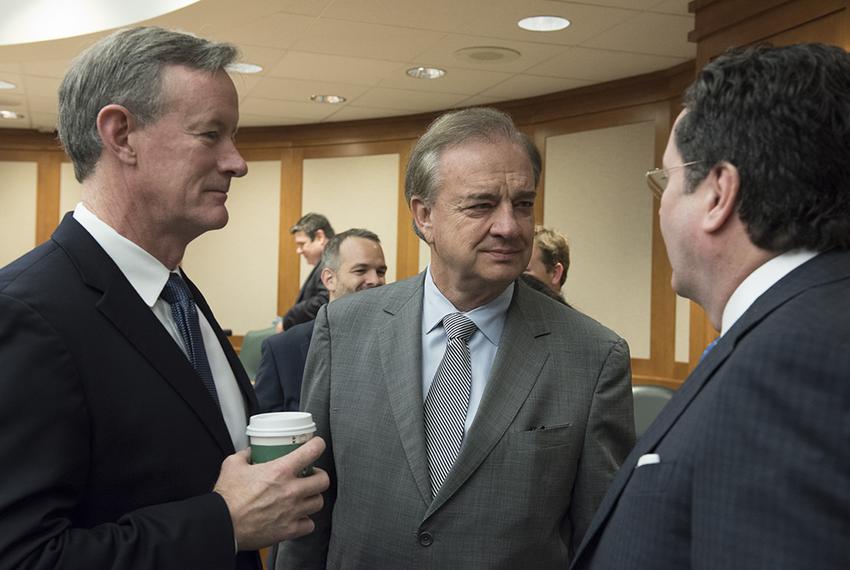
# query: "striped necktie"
x,y
176,293
448,400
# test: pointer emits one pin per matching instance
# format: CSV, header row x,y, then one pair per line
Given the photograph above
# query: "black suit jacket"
x,y
312,296
754,469
109,442
278,385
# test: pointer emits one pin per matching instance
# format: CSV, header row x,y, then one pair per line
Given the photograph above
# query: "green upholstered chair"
x,y
250,353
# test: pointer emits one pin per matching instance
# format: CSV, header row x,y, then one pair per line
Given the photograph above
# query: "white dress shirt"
x,y
148,276
759,281
490,320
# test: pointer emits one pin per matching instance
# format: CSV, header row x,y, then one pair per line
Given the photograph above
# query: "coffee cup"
x,y
275,434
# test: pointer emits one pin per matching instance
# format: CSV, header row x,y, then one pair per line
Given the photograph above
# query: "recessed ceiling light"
x,y
332,99
426,72
543,23
6,114
243,67
7,85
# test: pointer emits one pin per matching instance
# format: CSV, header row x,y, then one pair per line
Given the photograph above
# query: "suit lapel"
x,y
826,267
122,306
401,358
517,366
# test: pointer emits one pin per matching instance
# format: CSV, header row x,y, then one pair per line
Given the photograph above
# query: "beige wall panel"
x,y
359,191
683,329
69,189
596,194
236,267
18,184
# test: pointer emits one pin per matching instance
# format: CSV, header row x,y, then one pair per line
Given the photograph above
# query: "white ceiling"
x,y
360,49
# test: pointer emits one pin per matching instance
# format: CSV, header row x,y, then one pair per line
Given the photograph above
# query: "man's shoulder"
x,y
390,297
292,336
561,319
32,271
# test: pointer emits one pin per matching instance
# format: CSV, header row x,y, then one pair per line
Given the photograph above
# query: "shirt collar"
x,y
759,281
489,318
144,272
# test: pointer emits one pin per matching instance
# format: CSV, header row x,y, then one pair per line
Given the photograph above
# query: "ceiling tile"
x,y
55,68
374,41
321,67
522,86
481,101
443,54
265,57
245,83
266,120
276,31
600,65
406,100
437,15
293,109
13,101
632,36
586,21
41,85
672,7
43,103
631,4
456,80
354,113
45,122
301,90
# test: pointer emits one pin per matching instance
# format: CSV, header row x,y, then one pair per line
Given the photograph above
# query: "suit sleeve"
x,y
307,309
311,551
45,454
609,437
268,386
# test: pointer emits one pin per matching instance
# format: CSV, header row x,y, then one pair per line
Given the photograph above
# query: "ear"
x,y
321,237
422,217
556,275
115,123
724,183
328,278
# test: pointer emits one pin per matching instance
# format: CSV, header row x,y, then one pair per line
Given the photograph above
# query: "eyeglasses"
x,y
657,179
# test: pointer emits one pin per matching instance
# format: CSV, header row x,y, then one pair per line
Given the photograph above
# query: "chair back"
x,y
250,352
648,402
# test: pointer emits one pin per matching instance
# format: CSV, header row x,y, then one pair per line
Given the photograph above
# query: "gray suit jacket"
x,y
754,469
553,425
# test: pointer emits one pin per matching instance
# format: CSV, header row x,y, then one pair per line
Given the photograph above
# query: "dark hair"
x,y
781,116
554,249
310,223
541,287
125,68
452,129
330,255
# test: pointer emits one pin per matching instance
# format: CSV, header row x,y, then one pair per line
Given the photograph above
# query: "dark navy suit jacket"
x,y
754,449
278,385
312,296
109,442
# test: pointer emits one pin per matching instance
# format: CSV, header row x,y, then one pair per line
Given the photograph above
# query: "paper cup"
x,y
276,434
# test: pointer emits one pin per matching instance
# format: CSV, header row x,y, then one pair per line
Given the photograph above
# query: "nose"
x,y
373,279
232,163
505,223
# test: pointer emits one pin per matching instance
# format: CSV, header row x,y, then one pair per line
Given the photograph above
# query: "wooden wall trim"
x,y
47,195
25,139
407,242
289,267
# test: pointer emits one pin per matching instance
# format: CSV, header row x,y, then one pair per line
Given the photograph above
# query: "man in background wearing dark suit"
x,y
352,261
748,465
311,234
122,405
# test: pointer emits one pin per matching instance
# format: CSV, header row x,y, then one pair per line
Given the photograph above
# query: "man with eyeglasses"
x,y
748,466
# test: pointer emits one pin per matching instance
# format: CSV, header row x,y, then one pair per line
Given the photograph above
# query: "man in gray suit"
x,y
748,465
497,454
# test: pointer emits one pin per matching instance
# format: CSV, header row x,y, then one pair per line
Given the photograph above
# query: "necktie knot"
x,y
458,326
175,290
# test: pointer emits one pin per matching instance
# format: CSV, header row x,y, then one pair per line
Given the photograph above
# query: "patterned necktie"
x,y
185,315
708,349
448,400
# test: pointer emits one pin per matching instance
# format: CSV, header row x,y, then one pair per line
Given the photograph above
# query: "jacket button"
x,y
426,538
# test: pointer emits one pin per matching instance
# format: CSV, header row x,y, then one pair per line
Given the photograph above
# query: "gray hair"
x,y
125,68
330,255
450,130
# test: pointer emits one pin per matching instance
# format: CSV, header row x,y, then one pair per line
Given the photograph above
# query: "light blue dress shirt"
x,y
490,320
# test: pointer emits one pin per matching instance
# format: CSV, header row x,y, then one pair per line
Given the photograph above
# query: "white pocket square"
x,y
648,459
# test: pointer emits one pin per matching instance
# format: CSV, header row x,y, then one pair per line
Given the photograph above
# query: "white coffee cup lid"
x,y
281,424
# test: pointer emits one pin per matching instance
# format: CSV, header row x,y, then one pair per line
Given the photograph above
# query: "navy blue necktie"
x,y
185,315
708,349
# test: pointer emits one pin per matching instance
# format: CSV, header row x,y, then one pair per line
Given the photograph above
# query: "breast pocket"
x,y
538,438
651,479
